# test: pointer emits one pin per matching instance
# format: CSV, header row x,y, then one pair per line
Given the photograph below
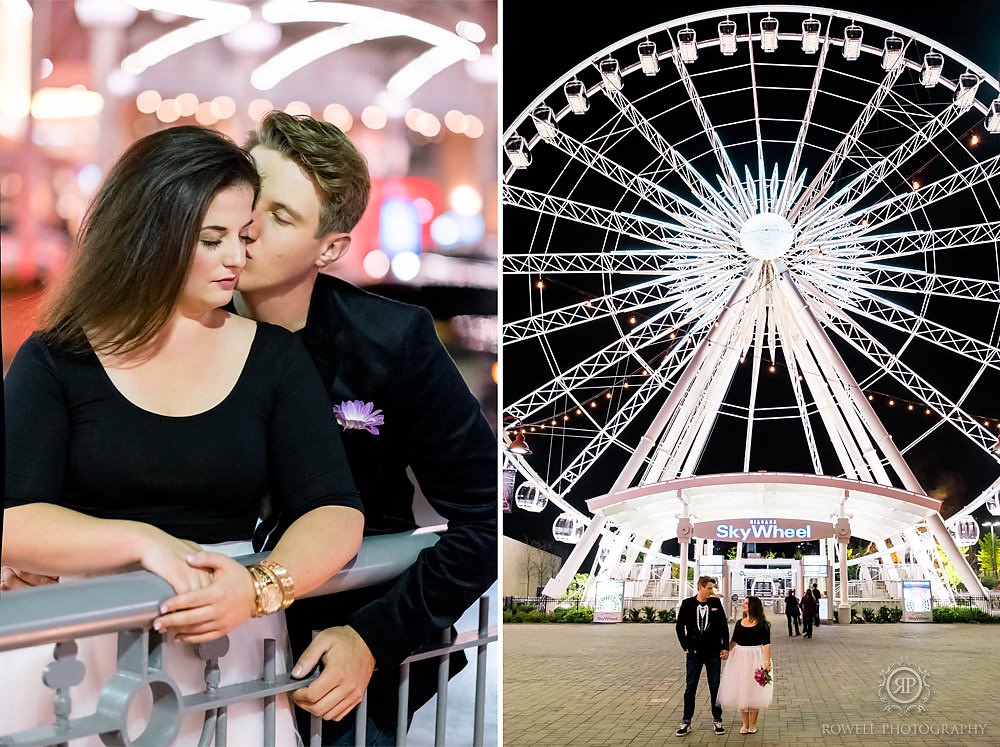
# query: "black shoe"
x,y
719,728
683,729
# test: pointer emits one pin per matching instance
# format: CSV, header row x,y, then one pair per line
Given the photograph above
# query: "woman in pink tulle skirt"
x,y
749,651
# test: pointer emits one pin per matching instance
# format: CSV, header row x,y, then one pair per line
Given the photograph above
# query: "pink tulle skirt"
x,y
27,703
737,687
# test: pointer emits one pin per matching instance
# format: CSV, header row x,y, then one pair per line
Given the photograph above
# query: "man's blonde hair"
x,y
328,157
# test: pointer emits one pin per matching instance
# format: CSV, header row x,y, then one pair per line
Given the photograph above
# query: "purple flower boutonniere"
x,y
357,415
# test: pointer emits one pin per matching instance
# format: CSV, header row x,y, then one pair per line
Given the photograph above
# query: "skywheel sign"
x,y
762,530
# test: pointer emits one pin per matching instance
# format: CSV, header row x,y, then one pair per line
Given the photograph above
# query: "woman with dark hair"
x,y
749,651
145,425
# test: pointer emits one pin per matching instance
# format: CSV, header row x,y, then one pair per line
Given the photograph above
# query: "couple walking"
x,y
807,608
703,632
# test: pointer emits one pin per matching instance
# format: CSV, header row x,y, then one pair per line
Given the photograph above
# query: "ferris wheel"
x,y
724,234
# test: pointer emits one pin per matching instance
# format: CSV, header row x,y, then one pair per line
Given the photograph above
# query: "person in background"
x,y
741,686
144,424
809,612
703,632
817,595
407,416
792,611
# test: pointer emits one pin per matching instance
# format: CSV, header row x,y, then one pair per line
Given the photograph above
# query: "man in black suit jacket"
x,y
703,632
368,349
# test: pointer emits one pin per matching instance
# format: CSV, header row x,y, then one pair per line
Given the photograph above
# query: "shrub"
x,y
962,615
868,614
532,616
508,616
667,616
632,615
886,615
649,614
578,615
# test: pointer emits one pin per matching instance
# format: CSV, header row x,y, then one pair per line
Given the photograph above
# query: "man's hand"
x,y
347,667
724,654
11,578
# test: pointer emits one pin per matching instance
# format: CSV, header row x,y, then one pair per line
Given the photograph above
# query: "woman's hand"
x,y
204,614
166,556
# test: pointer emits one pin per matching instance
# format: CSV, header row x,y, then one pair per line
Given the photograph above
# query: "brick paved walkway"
x,y
611,685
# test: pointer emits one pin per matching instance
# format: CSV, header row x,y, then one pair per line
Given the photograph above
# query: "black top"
x,y
791,606
809,604
758,635
74,440
702,627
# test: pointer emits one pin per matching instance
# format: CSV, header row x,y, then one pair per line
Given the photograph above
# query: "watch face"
x,y
271,599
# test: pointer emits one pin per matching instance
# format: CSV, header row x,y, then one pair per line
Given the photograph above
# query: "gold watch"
x,y
285,582
267,592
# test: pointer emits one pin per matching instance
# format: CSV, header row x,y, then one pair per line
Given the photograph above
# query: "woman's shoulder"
x,y
273,346
263,333
37,350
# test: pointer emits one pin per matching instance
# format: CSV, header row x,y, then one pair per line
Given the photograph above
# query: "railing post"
x,y
270,676
484,629
402,711
441,722
361,721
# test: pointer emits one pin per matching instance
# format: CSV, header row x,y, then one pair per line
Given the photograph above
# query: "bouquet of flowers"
x,y
763,677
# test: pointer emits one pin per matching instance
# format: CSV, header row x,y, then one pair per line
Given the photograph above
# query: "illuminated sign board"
x,y
917,600
509,473
814,566
762,530
710,565
609,601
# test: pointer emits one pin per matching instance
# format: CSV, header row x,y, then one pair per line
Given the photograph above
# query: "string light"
x,y
539,285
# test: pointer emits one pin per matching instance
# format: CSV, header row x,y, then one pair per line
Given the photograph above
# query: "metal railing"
x,y
128,603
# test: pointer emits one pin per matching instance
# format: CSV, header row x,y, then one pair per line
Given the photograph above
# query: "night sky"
x,y
537,54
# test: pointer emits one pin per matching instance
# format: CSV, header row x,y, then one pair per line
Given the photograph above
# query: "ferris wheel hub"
x,y
766,236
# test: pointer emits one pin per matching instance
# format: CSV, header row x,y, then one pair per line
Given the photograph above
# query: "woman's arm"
x,y
767,656
318,544
78,544
312,549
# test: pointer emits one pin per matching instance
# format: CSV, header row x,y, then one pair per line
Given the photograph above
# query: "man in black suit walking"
x,y
703,633
370,351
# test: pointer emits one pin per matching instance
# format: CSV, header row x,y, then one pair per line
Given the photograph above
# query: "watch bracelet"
x,y
285,582
261,579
